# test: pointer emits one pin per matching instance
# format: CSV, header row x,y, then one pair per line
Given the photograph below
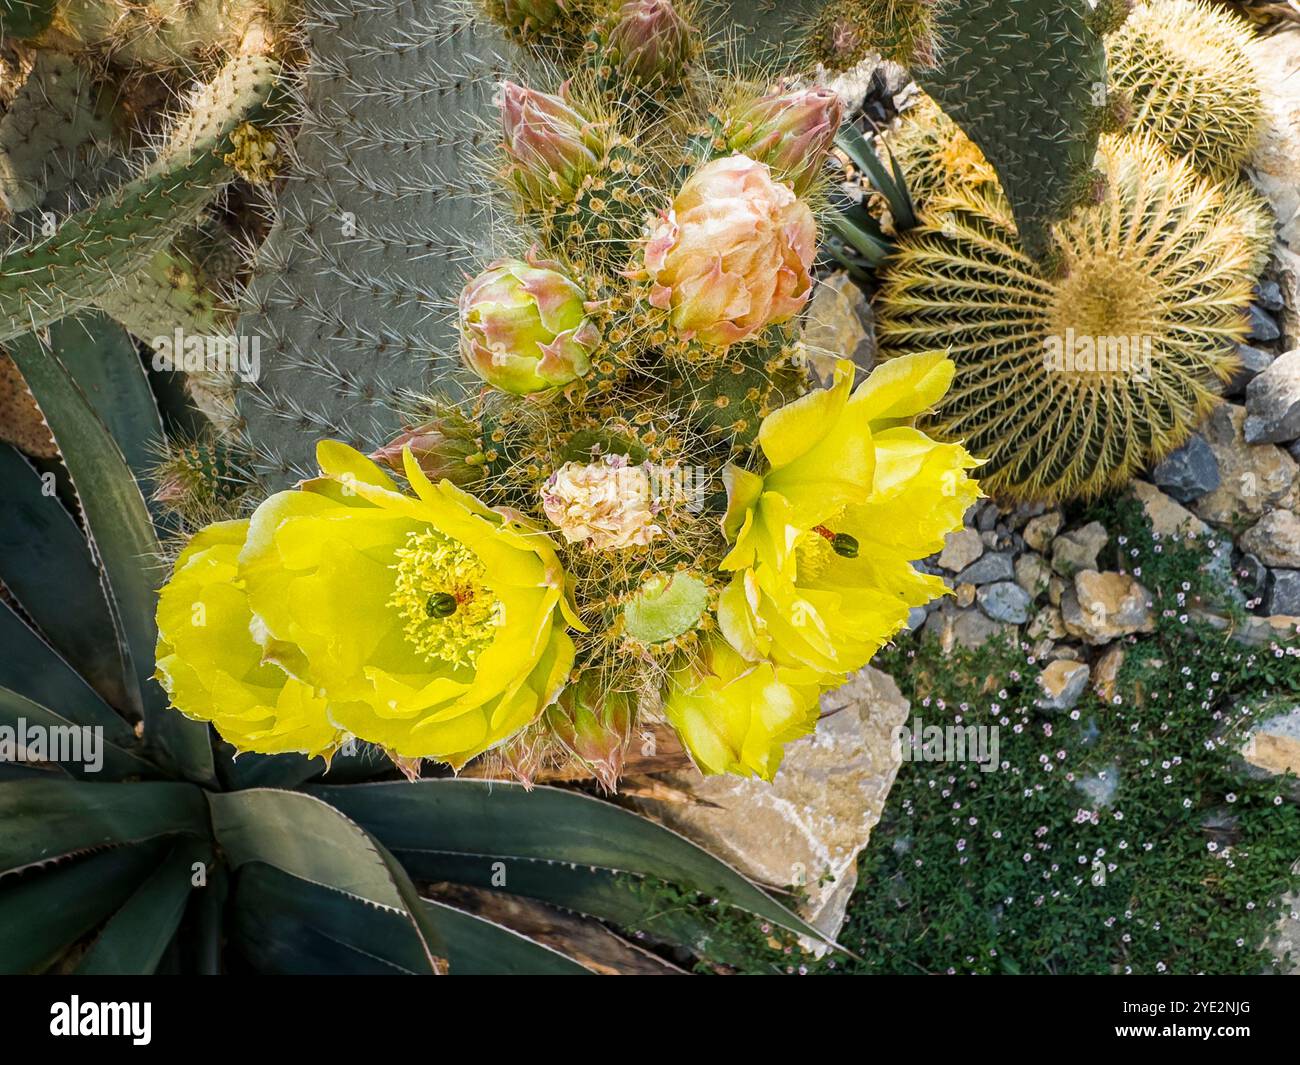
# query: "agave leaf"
x,y
33,668
495,821
305,837
630,902
122,537
291,770
48,820
41,916
103,361
889,183
286,925
135,937
46,564
479,947
117,761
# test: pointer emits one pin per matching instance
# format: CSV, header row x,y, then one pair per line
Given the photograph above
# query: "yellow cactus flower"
x,y
737,716
213,669
823,542
428,623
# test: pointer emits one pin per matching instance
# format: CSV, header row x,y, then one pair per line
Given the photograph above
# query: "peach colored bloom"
x,y
733,254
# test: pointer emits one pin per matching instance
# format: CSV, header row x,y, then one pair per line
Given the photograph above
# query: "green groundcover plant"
x,y
1020,871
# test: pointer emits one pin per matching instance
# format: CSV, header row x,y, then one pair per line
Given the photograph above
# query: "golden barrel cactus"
x,y
1071,380
1185,66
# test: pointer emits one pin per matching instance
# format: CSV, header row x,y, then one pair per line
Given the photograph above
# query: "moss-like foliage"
x,y
1021,870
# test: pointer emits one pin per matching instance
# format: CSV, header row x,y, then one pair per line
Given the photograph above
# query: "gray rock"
x,y
1273,402
1105,606
1253,575
1255,477
1078,550
1099,788
1272,744
1033,574
1004,601
1254,362
1284,598
916,618
1041,529
1024,512
1268,294
954,627
1275,538
1189,472
1294,451
839,325
988,517
987,570
808,826
1263,326
961,548
1061,683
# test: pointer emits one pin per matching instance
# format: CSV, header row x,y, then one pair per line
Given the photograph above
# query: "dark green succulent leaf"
x,y
135,937
46,564
122,536
47,820
479,947
290,770
286,925
103,361
31,667
890,183
872,248
630,902
494,821
116,760
305,837
43,914
20,19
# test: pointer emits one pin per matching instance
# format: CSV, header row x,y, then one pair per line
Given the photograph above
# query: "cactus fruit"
x,y
845,32
1070,381
199,481
83,260
1186,66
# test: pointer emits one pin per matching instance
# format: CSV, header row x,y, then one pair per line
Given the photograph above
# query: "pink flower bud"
x,y
551,146
595,725
524,327
651,40
791,132
446,448
733,254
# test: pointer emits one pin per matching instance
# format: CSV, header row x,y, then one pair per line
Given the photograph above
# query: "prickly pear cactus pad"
x,y
1026,81
381,219
623,506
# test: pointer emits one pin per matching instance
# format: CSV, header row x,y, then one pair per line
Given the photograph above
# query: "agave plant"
x,y
151,849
